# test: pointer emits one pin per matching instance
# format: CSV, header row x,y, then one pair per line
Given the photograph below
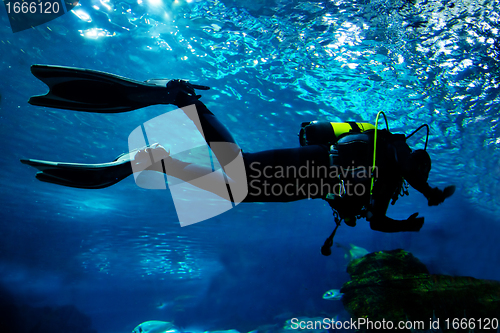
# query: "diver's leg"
x,y
293,186
197,175
386,224
278,175
217,136
212,129
284,175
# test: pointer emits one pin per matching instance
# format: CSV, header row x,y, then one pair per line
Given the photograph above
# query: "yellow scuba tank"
x,y
328,133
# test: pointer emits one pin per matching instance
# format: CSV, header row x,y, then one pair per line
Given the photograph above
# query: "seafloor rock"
x,y
395,286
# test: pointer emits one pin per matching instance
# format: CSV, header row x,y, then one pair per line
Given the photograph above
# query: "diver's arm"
x,y
376,215
417,178
434,195
386,224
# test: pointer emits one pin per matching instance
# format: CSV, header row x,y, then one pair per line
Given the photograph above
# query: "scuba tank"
x,y
328,133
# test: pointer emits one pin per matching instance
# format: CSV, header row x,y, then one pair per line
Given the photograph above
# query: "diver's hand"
x,y
449,190
414,223
437,196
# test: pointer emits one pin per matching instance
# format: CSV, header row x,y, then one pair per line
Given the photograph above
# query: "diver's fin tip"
x,y
28,161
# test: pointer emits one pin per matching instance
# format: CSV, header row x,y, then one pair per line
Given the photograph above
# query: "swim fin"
x,y
94,91
91,176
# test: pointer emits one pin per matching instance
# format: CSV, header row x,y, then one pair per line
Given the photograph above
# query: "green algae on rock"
x,y
395,286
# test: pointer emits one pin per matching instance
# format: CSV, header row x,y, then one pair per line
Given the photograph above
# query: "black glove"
x,y
437,196
414,223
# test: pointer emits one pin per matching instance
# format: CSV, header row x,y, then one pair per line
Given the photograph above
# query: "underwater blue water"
x,y
119,255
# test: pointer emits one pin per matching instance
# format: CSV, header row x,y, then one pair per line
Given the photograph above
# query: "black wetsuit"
x,y
273,175
266,182
393,167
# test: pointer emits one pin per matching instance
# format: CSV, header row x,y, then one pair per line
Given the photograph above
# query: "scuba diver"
x,y
357,168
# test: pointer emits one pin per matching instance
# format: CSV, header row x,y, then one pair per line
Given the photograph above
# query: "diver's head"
x,y
420,164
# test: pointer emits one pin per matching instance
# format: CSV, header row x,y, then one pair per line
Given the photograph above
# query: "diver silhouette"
x,y
357,168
